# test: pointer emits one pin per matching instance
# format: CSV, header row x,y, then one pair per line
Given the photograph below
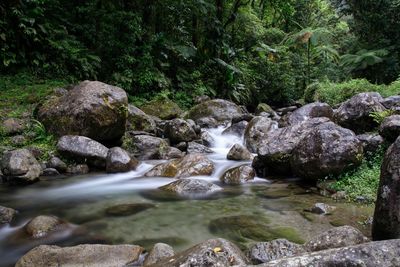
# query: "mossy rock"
x,y
218,109
262,107
164,109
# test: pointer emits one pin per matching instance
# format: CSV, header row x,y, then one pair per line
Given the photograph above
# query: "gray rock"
x,y
277,249
371,142
191,187
82,255
313,110
242,117
239,152
20,166
145,147
207,139
214,252
18,140
327,150
172,153
58,164
83,150
13,126
201,99
391,102
355,113
41,226
92,109
322,208
6,215
159,252
118,160
238,175
257,131
78,169
237,129
196,148
179,130
285,110
50,172
137,120
390,128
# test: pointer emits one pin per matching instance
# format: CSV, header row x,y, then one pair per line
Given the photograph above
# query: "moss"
x,y
162,108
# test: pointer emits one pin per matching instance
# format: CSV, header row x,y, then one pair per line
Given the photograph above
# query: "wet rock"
x,y
78,169
239,152
258,130
18,140
391,102
390,128
277,249
313,110
371,142
92,109
82,255
207,122
179,130
238,175
242,117
172,153
145,147
118,160
41,226
58,164
213,252
137,120
191,187
207,139
322,208
237,129
275,149
6,215
196,148
190,165
327,150
355,113
222,111
159,252
13,126
164,109
386,223
20,166
338,237
83,150
128,209
50,172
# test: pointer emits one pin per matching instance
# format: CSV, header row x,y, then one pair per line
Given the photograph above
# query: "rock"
x,y
201,99
182,146
355,113
18,140
384,253
371,142
137,120
36,151
20,166
41,226
264,108
145,147
322,208
237,129
390,128
327,150
6,215
128,209
50,172
191,187
275,149
239,152
207,122
92,109
313,110
276,249
222,111
238,175
285,110
164,109
207,139
179,130
213,252
242,117
58,164
386,223
190,165
196,148
257,130
78,169
159,252
172,153
82,255
13,126
391,102
118,160
83,150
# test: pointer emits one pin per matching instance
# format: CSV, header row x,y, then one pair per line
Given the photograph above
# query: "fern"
x,y
378,117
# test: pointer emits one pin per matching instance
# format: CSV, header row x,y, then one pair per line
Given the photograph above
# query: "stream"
x,y
274,206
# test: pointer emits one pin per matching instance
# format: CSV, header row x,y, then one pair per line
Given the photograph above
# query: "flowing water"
x,y
263,209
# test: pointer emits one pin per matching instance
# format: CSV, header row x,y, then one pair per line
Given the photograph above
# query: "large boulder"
x,y
118,160
158,252
145,147
20,166
83,149
214,252
190,165
371,142
6,215
386,224
355,113
327,150
191,187
238,175
313,110
276,148
390,128
222,111
391,102
82,255
93,109
139,121
239,152
273,250
164,109
257,131
179,130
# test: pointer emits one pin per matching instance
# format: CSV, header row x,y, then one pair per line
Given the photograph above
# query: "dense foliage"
x,y
247,50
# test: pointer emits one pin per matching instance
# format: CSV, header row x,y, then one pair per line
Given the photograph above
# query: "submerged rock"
x,y
257,131
159,252
20,166
92,109
6,215
390,128
118,160
322,208
238,175
276,249
128,209
41,226
82,255
239,152
191,187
